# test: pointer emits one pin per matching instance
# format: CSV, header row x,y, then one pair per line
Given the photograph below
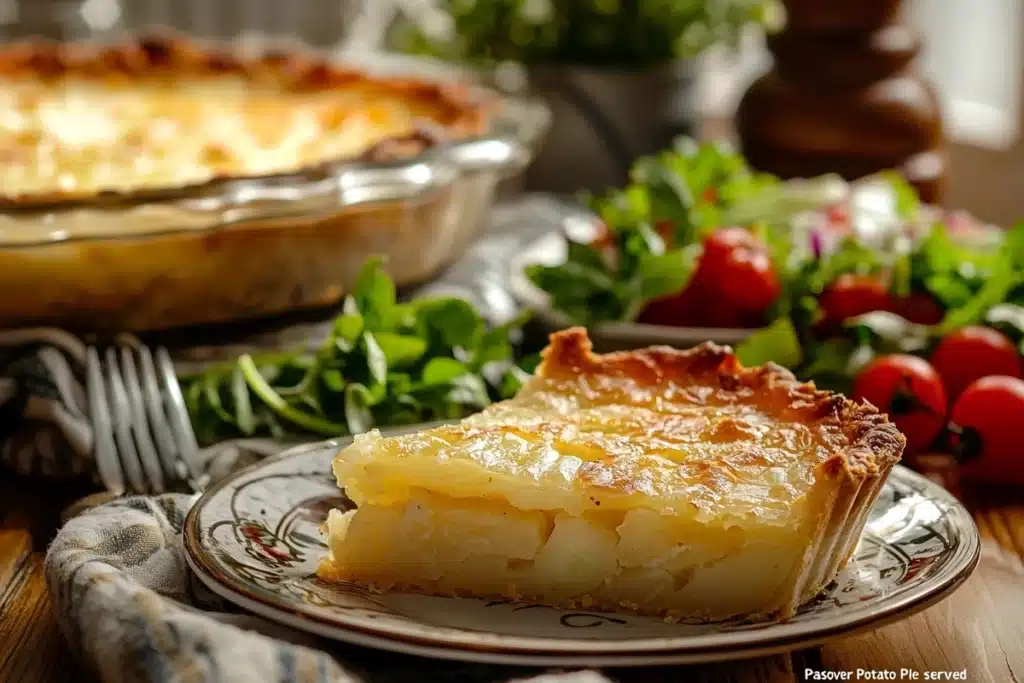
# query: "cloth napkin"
x,y
131,609
124,595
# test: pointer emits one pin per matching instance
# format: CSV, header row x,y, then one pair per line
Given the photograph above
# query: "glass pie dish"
x,y
193,227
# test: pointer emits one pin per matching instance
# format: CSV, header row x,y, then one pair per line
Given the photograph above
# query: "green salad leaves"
x,y
908,274
653,231
384,363
975,284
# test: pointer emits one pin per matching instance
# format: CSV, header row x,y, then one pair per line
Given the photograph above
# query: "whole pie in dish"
x,y
158,113
161,183
665,482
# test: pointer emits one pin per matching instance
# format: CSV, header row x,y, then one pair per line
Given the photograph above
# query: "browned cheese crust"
x,y
871,443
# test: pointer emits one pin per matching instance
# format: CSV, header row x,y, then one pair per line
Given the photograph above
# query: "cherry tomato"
x,y
971,353
910,391
853,295
695,307
676,310
985,430
737,264
920,308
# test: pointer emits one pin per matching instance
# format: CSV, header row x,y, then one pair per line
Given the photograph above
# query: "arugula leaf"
x,y
376,361
357,408
399,384
1000,281
776,343
661,274
333,380
375,295
1013,245
496,344
891,332
442,371
243,407
279,406
953,272
830,358
383,363
453,322
211,393
400,350
582,293
348,327
585,257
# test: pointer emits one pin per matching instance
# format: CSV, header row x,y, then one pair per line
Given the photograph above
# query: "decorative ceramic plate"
x,y
254,540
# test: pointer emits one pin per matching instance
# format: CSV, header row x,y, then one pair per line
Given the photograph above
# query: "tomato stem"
x,y
967,443
905,401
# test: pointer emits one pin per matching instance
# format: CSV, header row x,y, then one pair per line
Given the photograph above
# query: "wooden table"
x,y
979,629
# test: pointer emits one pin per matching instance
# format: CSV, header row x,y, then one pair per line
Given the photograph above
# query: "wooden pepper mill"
x,y
842,98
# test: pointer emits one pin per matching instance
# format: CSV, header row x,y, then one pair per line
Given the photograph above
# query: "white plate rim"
x,y
515,649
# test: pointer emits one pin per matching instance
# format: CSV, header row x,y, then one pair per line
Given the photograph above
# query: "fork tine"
x,y
120,414
143,439
181,426
105,452
165,444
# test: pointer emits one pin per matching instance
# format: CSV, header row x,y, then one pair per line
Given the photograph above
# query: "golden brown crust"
x,y
872,443
456,110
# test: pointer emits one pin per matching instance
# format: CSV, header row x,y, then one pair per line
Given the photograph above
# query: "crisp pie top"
x,y
163,113
688,432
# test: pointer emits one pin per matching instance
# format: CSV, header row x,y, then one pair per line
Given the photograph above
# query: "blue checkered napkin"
x,y
131,610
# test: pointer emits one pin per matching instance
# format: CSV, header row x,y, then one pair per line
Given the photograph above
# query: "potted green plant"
x,y
617,74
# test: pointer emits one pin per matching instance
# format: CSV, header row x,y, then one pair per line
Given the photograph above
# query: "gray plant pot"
x,y
602,119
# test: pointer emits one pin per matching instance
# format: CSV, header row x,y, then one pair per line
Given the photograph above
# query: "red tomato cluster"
x,y
734,285
971,396
853,295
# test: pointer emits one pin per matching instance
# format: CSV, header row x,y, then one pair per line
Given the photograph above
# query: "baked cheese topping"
x,y
699,444
162,112
79,136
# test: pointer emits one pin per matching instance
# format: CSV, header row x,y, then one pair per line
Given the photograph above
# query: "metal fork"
x,y
144,441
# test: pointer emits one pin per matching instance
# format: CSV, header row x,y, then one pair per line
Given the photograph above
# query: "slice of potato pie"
x,y
667,482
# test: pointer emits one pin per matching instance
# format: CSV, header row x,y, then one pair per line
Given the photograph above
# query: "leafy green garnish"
x,y
384,363
654,228
975,283
777,343
891,259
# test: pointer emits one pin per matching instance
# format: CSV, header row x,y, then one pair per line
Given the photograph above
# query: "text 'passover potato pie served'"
x,y
675,483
